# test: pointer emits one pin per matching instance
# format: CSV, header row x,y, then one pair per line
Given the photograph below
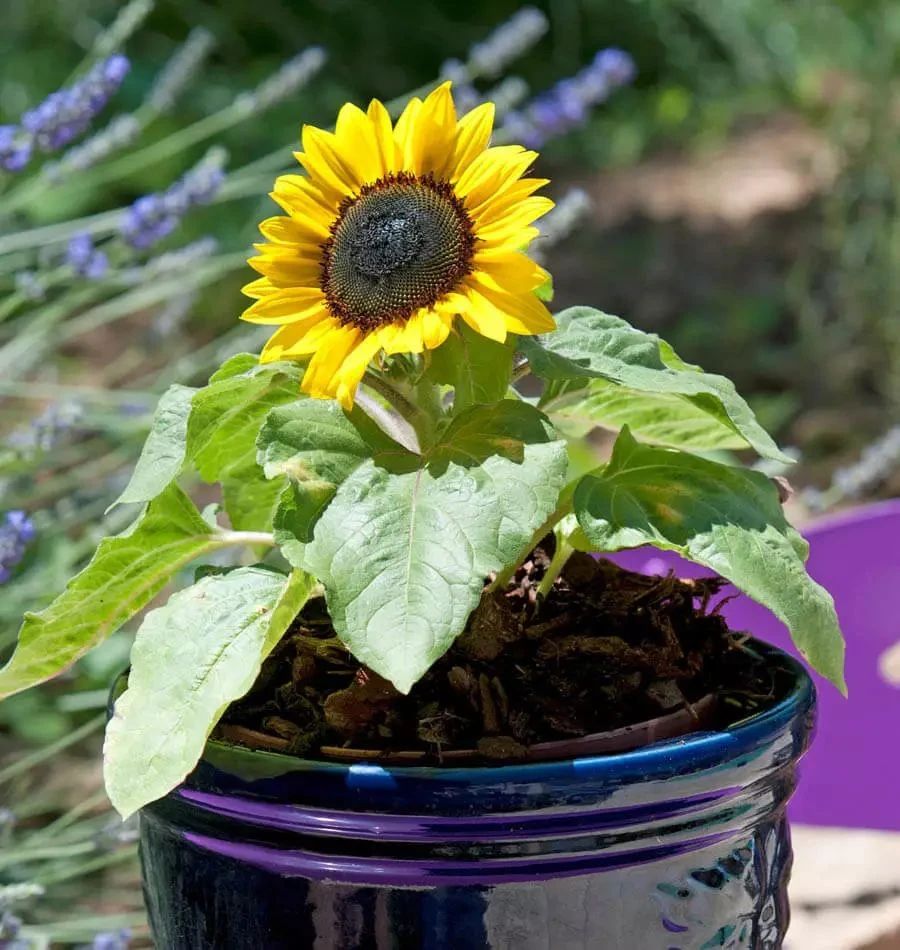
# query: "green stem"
x,y
39,389
154,154
27,762
143,296
246,537
69,818
54,233
521,368
88,867
389,422
78,929
25,349
420,421
48,853
562,554
562,509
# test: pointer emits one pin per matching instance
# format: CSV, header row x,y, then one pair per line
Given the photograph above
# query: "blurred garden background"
x,y
736,191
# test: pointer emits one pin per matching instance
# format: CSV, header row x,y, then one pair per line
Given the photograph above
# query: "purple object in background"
x,y
850,775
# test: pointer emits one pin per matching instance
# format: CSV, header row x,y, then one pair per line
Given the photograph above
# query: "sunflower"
x,y
395,231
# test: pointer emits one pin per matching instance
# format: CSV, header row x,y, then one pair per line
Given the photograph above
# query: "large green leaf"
x,y
121,578
588,343
227,414
215,429
163,454
661,418
190,659
250,499
728,519
316,445
478,369
403,554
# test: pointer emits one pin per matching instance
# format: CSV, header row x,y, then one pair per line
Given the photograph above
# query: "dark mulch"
x,y
606,649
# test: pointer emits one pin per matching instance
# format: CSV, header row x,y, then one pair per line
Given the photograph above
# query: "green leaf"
x,y
504,428
478,369
163,454
237,365
313,440
545,291
225,420
660,418
215,428
190,659
728,519
249,498
299,508
403,555
316,445
122,577
588,343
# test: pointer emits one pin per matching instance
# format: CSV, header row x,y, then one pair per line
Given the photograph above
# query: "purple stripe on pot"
x,y
437,828
354,869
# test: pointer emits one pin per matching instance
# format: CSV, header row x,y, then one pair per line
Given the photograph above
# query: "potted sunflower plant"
x,y
416,709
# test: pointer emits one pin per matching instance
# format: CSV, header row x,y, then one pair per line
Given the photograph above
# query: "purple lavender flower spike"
x,y
570,101
152,217
616,64
66,114
16,533
84,258
15,149
115,940
79,250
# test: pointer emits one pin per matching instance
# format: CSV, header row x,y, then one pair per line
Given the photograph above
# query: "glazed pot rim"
x,y
704,748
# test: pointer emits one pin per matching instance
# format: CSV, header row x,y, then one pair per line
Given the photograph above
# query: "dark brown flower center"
x,y
402,243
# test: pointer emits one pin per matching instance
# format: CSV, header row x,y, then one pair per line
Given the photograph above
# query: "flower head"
x,y
396,231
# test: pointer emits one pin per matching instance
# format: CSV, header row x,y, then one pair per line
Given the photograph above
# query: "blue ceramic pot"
x,y
682,844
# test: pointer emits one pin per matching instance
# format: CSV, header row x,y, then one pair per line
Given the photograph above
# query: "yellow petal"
x,y
515,219
404,131
509,271
484,318
301,272
388,152
357,144
473,135
352,370
322,159
300,197
523,314
436,326
452,304
287,306
320,379
492,171
513,241
433,136
292,231
496,205
288,340
258,288
409,336
315,337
